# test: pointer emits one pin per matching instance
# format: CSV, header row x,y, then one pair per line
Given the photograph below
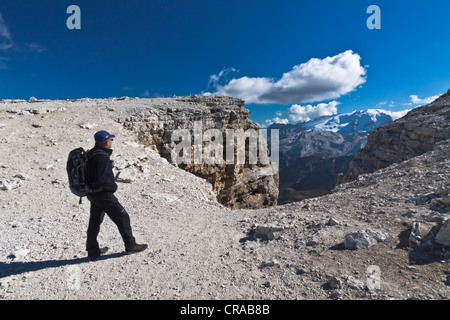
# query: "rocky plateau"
x,y
382,236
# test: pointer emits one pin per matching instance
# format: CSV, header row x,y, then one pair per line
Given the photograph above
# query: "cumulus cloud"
x,y
312,81
415,99
298,113
216,79
276,120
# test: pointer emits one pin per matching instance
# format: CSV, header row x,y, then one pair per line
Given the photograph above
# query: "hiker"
x,y
100,177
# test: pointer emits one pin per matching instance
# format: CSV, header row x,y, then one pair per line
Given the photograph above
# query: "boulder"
x,y
355,284
363,239
332,222
334,282
266,230
127,175
415,236
443,235
10,184
270,263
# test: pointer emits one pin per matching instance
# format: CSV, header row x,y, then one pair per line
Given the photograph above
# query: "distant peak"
x,y
352,122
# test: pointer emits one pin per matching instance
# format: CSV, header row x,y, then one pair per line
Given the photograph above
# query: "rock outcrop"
x,y
159,123
414,134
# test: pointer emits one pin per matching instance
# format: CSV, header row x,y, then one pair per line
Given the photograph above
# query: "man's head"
x,y
103,139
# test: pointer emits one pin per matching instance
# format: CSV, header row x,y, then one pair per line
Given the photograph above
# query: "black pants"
x,y
101,203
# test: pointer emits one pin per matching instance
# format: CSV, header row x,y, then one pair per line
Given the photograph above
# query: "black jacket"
x,y
100,176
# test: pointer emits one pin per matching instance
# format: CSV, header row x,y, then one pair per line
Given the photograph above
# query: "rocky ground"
x,y
199,249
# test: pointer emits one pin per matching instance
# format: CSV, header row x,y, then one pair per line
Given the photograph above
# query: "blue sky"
x,y
290,60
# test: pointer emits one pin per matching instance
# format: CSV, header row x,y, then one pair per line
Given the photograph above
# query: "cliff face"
x,y
200,124
412,135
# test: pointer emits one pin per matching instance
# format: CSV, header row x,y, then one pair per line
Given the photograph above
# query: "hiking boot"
x,y
102,251
137,248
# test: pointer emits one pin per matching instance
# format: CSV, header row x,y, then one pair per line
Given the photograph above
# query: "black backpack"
x,y
76,172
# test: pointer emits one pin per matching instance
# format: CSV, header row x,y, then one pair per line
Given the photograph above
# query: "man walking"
x,y
100,178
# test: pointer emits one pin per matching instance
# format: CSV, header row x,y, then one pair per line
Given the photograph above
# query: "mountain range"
x,y
313,154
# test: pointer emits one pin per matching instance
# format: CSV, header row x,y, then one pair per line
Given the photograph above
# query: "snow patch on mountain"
x,y
356,121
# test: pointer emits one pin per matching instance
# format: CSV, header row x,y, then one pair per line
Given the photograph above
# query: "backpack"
x,y
76,172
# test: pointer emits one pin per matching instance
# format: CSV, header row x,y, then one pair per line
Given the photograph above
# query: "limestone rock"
x,y
415,235
332,222
443,236
334,282
363,239
87,126
270,263
237,185
355,284
10,184
266,230
127,175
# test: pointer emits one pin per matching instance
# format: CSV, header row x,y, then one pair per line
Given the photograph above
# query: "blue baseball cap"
x,y
103,135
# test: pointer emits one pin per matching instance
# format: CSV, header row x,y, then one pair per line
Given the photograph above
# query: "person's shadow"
x,y
14,268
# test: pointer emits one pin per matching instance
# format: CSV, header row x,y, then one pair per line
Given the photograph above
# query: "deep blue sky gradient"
x,y
164,47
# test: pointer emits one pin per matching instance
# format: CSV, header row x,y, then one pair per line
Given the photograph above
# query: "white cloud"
x,y
298,113
415,99
36,48
216,78
5,35
315,80
7,43
276,120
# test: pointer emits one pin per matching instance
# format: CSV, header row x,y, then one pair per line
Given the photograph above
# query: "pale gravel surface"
x,y
198,249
